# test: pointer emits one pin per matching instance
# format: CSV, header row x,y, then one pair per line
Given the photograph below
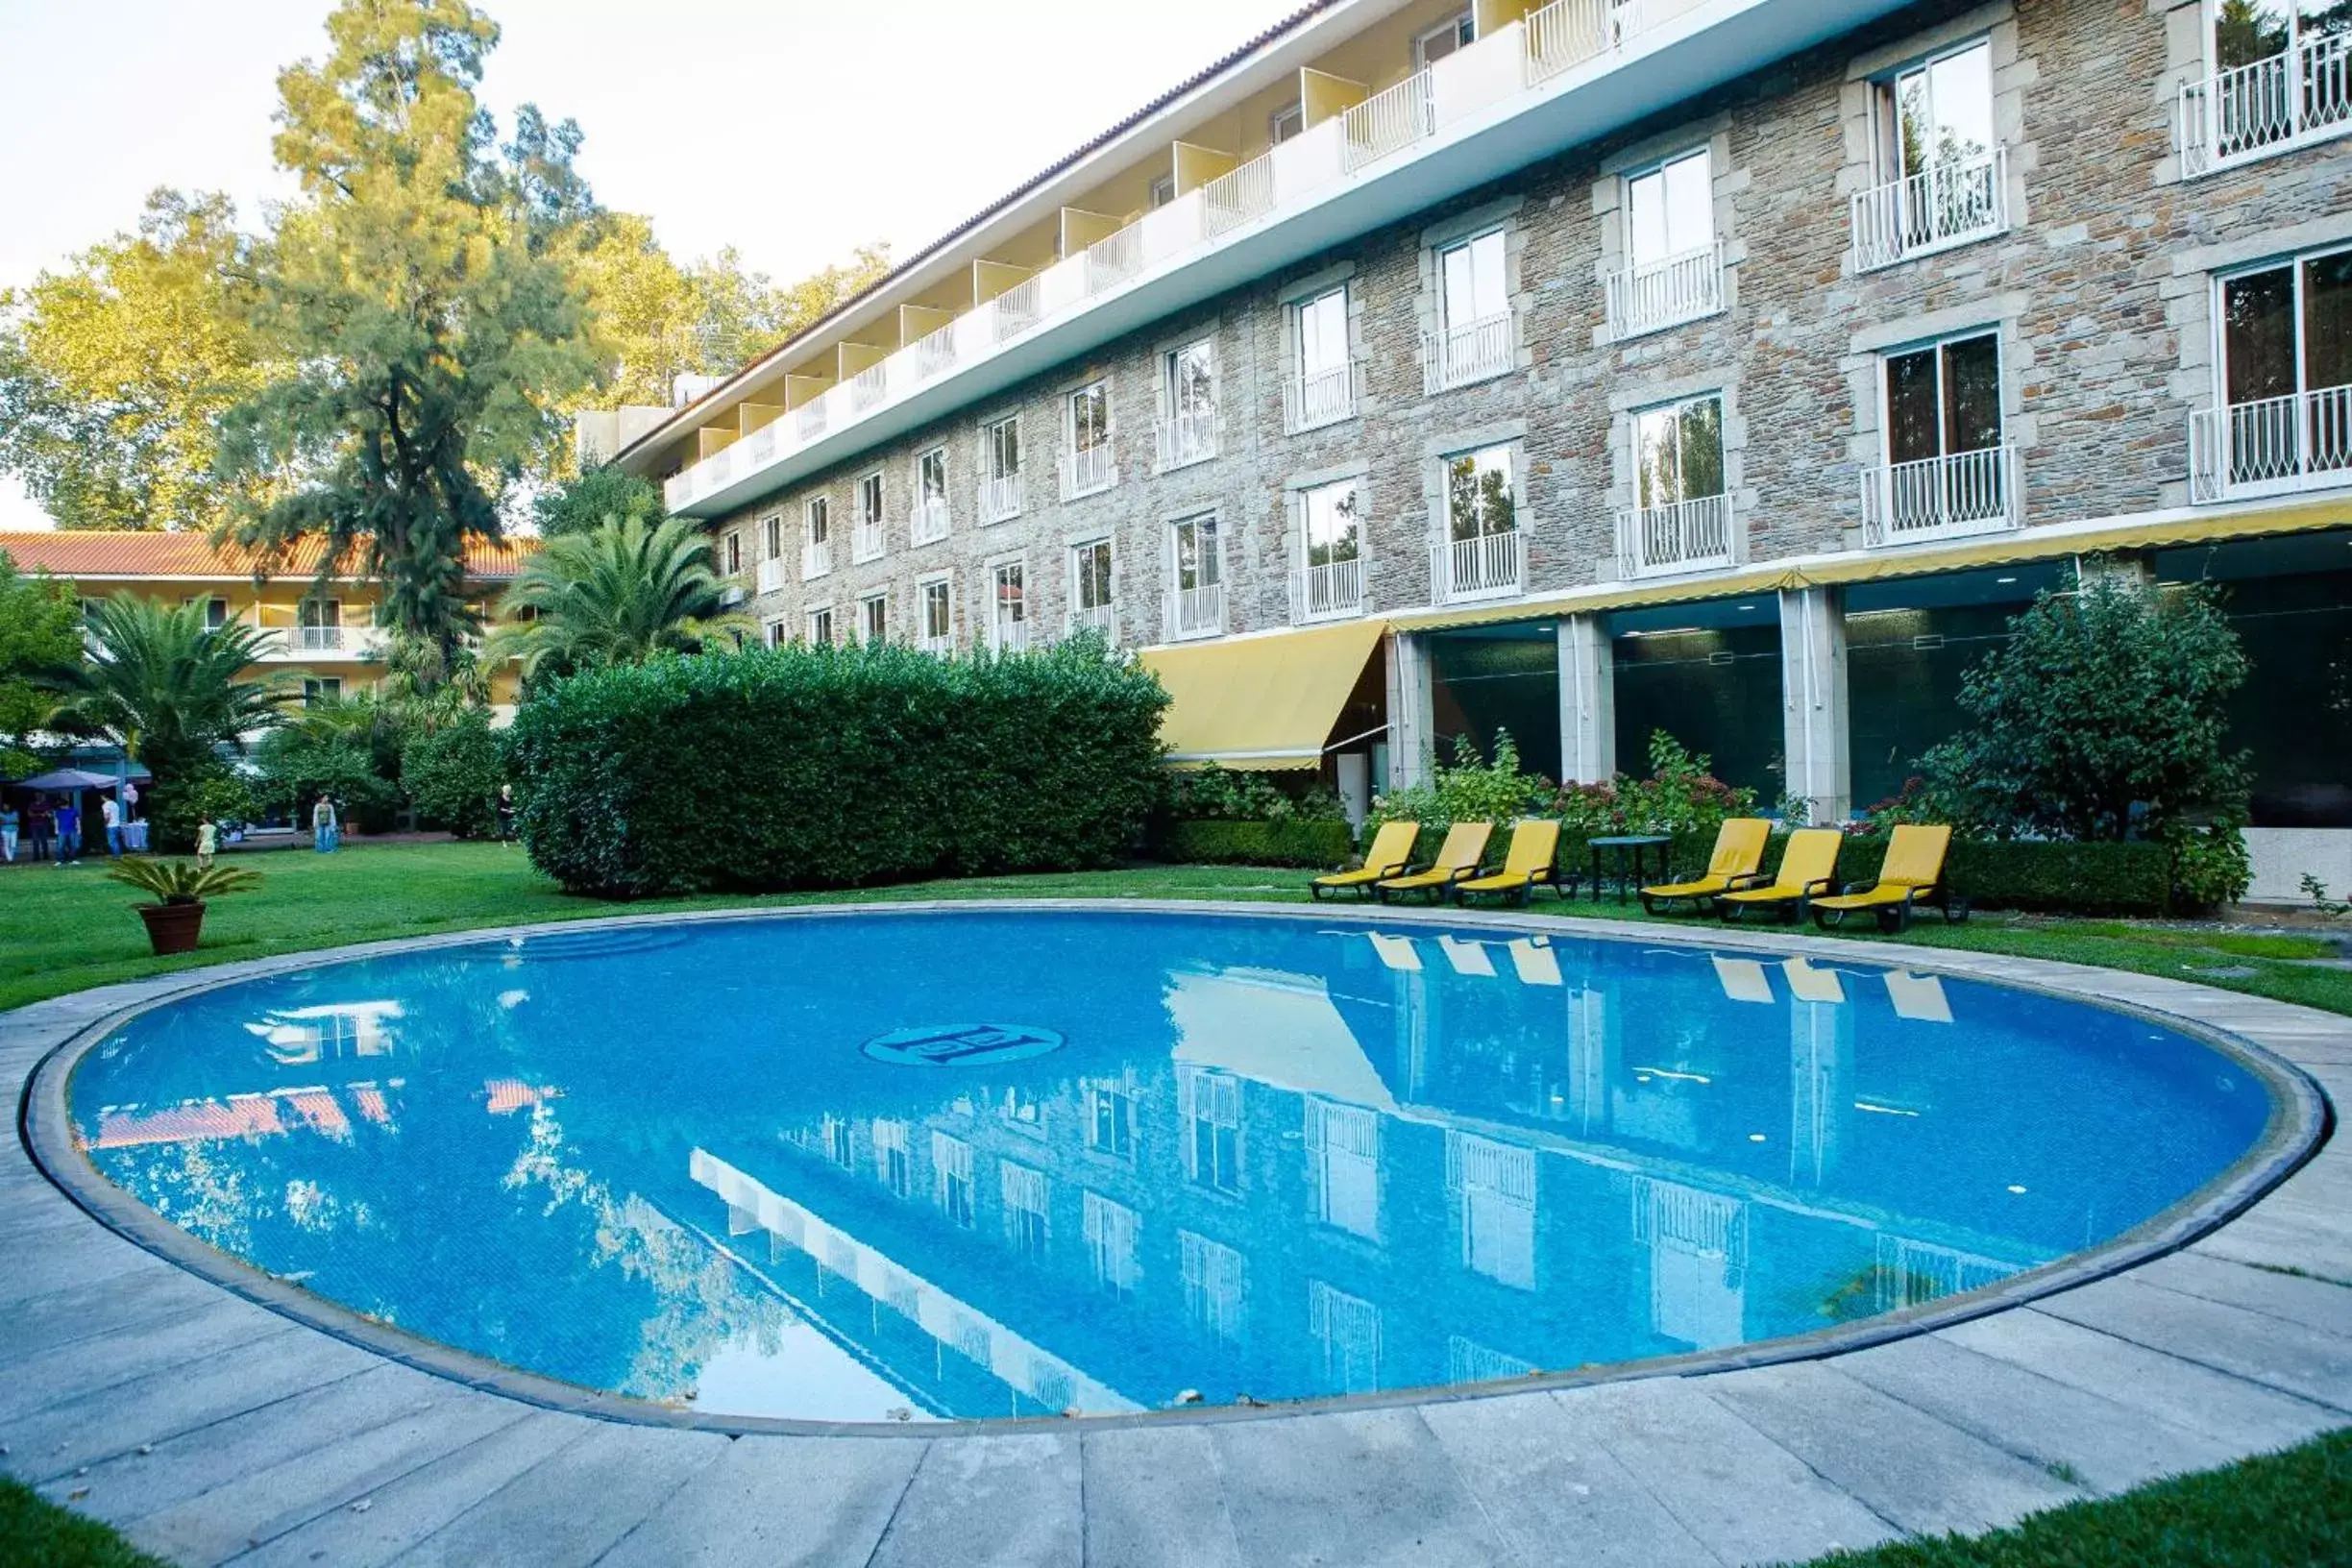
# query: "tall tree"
x,y
422,298
114,370
41,639
617,596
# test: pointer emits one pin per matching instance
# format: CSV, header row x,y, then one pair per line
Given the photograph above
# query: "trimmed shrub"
x,y
2109,878
453,775
825,767
1317,841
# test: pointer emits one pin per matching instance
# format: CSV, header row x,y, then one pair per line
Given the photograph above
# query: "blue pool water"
x,y
990,1164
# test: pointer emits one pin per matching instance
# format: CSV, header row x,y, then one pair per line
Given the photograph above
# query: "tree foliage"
x,y
453,776
2104,714
420,308
604,494
114,370
40,640
615,596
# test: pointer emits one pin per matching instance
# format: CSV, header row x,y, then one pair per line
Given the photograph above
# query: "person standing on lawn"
x,y
10,825
322,825
111,811
68,832
208,843
40,825
506,813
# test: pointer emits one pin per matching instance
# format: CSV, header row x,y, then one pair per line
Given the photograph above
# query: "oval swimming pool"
x,y
871,1165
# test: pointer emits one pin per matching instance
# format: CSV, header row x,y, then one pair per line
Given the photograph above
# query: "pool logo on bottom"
x,y
963,1044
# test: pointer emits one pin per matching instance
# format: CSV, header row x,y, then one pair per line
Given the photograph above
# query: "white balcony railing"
x,y
1941,207
1487,566
1000,499
1387,122
1325,397
2301,96
1475,350
1680,536
816,558
942,643
1086,471
1196,612
1188,438
1101,618
2299,442
1332,591
1482,82
1663,294
1937,498
927,525
1009,636
772,574
865,542
313,641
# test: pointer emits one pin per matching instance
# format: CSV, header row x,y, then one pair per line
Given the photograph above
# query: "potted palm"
x,y
181,887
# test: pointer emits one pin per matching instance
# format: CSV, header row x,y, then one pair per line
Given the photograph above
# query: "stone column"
x,y
1411,744
1587,701
1816,732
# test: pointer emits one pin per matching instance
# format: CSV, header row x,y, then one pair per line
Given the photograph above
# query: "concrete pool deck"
x,y
208,1427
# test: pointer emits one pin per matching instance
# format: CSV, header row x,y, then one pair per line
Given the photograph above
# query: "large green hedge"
x,y
805,768
2102,878
1300,841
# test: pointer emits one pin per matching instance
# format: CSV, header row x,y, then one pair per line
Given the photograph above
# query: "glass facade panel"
x,y
1478,498
1333,531
1670,210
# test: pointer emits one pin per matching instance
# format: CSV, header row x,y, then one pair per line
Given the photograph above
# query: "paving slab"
x,y
1155,1498
378,1526
1012,1499
573,1505
59,1259
2287,1356
1548,1482
1911,1469
2278,1241
1743,1496
2109,1445
2314,1304
89,1310
86,1367
2249,1418
1362,1487
779,1502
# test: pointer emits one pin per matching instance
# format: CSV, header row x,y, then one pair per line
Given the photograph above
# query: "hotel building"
x,y
1734,368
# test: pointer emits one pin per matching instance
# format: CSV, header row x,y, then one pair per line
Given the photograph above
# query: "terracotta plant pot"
x,y
171,928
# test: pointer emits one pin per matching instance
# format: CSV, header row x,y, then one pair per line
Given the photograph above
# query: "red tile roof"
x,y
88,553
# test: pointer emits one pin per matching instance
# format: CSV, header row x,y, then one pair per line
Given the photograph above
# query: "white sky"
x,y
791,130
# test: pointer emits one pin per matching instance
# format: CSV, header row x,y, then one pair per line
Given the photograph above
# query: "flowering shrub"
x,y
1680,796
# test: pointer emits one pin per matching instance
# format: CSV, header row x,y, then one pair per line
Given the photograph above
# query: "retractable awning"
x,y
1260,702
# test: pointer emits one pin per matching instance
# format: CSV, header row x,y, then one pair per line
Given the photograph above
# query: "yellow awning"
x,y
1260,702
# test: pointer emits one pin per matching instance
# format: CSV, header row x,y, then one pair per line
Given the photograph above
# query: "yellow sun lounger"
x,y
1458,860
1912,875
1391,852
1807,867
1739,852
1533,847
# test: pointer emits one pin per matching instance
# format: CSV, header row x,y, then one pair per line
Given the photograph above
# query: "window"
x,y
875,617
318,625
1343,1166
1088,418
1474,339
1188,395
935,615
892,1164
1112,1230
867,546
1348,1328
1027,1217
1008,607
1090,586
1478,500
820,626
773,523
2287,369
1210,1106
1111,1120
1284,123
734,553
835,1135
1216,1287
1330,522
1946,470
2281,75
931,495
1198,606
1000,493
817,537
1442,40
1670,210
951,1178
1938,174
216,614
1677,451
321,691
1164,190
775,631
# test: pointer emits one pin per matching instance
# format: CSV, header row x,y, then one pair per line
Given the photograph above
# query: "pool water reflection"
x,y
987,1164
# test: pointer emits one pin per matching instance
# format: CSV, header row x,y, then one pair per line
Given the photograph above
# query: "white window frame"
x,y
1094,477
1103,617
1653,293
1686,532
1286,122
811,619
1466,568
1460,31
1962,202
1463,352
773,526
867,540
1957,495
868,631
944,582
1001,638
2300,439
2311,64
816,537
934,515
1334,590
1000,485
1188,417
772,631
1198,611
1325,394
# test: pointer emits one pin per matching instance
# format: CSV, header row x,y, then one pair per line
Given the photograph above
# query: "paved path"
x,y
210,1428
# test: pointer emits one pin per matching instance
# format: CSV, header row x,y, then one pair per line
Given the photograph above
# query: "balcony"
x,y
1485,566
1680,536
1100,618
2272,105
1663,294
809,420
1325,397
1333,591
2275,446
815,561
1000,499
772,574
1087,472
1939,208
939,642
1010,636
1953,496
1477,350
928,522
296,644
865,542
1196,612
1188,438
1562,78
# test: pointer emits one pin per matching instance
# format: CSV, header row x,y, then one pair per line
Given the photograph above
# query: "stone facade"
x,y
2099,290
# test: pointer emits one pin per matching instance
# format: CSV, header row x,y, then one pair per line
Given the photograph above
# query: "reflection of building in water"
x,y
296,1035
1914,1273
1463,1136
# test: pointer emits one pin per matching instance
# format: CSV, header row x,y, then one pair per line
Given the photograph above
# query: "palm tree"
x,y
616,595
167,689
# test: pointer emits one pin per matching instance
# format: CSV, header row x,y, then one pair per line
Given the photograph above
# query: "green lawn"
x,y
64,930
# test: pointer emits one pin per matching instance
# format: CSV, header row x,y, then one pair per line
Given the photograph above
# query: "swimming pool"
x,y
991,1162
